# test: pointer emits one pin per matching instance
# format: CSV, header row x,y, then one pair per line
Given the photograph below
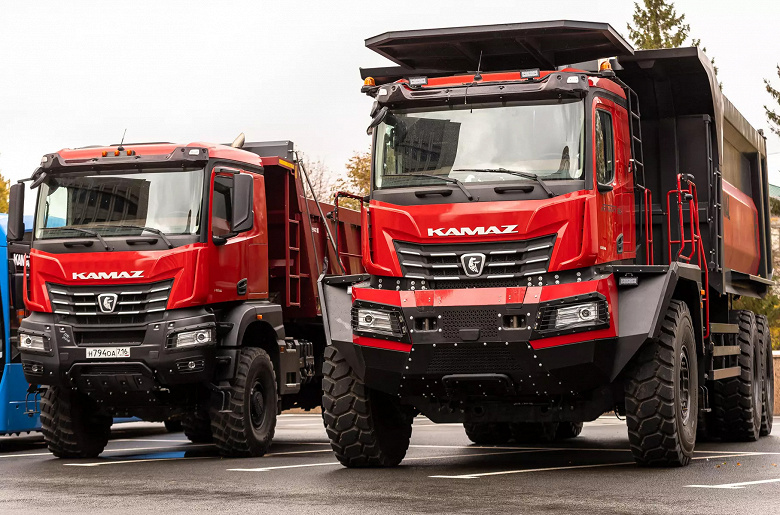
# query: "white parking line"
x,y
303,465
122,462
129,449
736,485
570,467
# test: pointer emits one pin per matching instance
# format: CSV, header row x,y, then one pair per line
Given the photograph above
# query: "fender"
x,y
238,319
641,308
336,306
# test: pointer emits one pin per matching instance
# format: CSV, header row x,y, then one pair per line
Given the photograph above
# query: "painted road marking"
x,y
129,449
736,485
569,467
332,464
122,462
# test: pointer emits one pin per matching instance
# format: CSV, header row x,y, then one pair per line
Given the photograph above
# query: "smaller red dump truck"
x,y
175,282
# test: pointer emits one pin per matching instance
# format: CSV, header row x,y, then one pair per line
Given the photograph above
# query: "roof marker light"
x,y
194,152
104,153
418,81
369,81
116,152
604,65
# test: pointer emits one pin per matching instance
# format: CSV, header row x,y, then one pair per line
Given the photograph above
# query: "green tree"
x,y
769,306
657,25
772,116
358,178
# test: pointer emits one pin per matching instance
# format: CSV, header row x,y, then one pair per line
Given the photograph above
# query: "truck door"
x,y
604,179
235,263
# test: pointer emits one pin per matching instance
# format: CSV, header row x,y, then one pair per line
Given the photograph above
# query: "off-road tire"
x,y
196,426
488,433
366,428
768,387
661,398
174,426
535,432
71,425
568,430
248,428
737,401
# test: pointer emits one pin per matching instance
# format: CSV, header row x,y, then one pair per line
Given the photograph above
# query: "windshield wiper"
x,y
144,228
525,175
85,231
445,179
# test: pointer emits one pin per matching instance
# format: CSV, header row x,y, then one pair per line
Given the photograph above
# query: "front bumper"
x,y
152,364
473,354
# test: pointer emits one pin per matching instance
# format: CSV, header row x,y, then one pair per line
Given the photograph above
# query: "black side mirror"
x,y
243,215
379,118
16,213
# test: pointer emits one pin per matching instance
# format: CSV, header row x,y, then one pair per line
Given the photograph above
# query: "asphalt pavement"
x,y
147,470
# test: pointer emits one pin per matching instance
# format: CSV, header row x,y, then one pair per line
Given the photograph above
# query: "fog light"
x,y
199,337
577,316
30,341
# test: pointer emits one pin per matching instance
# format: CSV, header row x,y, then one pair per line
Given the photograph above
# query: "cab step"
x,y
724,328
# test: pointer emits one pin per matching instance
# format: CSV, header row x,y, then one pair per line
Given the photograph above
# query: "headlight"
x,y
378,321
577,316
199,337
32,342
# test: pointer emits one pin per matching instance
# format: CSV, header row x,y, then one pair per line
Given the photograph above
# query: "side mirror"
x,y
379,118
16,213
243,215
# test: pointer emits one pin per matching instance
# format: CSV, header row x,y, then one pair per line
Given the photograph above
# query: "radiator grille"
x,y
486,320
477,360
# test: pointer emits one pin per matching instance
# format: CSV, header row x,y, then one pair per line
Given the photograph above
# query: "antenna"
x,y
478,75
120,148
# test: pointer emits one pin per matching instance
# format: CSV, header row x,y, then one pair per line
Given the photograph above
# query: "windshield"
x,y
121,204
543,138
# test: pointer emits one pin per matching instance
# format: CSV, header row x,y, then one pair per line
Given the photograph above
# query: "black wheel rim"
x,y
684,387
257,405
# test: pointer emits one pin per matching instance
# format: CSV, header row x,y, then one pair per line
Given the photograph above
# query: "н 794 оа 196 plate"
x,y
108,352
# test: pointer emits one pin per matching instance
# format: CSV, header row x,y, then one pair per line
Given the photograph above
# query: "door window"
x,y
222,206
605,150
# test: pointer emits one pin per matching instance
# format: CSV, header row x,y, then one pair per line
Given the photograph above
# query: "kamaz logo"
x,y
135,274
476,231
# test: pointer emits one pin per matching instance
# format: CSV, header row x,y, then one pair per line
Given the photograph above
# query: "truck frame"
x,y
174,283
539,252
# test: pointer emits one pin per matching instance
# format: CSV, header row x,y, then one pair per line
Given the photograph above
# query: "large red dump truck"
x,y
174,282
539,251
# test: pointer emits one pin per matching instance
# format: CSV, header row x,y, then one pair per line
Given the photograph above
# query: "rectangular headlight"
x,y
578,315
199,337
32,342
375,321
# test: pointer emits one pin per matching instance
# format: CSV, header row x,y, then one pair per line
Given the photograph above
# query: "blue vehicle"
x,y
14,404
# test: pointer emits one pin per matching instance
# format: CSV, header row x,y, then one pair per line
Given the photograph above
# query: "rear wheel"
x,y
737,401
662,394
535,432
196,426
366,428
71,424
248,427
768,390
173,426
487,433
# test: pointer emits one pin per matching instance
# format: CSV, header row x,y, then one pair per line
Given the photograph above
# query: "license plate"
x,y
108,352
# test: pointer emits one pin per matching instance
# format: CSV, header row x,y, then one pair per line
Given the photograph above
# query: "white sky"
x,y
78,73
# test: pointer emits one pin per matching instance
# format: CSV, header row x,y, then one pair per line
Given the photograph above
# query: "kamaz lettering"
x,y
135,274
468,231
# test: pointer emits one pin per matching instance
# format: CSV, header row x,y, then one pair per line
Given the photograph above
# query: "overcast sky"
x,y
79,73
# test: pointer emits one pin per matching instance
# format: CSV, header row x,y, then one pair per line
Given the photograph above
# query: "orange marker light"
x,y
259,317
116,152
605,65
369,81
105,153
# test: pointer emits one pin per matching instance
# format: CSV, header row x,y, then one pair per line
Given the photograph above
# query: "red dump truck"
x,y
174,282
539,251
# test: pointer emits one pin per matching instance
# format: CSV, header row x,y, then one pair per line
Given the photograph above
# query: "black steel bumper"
x,y
152,364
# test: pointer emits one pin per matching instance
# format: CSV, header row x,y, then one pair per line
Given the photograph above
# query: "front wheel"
x,y
488,433
662,394
366,428
247,428
72,426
